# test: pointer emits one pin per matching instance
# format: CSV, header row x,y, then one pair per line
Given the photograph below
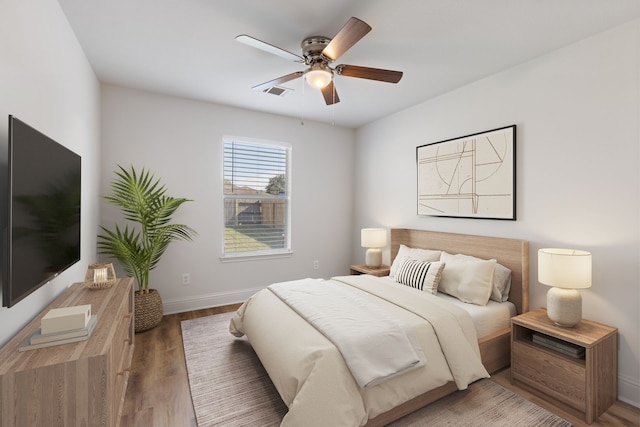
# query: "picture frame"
x,y
472,176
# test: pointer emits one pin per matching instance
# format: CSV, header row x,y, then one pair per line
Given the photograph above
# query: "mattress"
x,y
488,319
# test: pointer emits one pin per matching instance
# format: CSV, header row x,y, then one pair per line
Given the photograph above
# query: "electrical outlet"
x,y
316,264
186,279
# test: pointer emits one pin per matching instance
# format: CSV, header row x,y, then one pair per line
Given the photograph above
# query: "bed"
x,y
315,382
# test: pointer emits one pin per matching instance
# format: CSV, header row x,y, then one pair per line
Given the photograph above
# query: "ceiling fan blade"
x,y
353,30
379,74
330,95
259,44
279,80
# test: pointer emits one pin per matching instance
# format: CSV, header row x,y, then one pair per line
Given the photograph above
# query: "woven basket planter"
x,y
148,310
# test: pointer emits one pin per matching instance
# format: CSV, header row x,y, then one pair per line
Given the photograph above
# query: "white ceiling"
x,y
187,48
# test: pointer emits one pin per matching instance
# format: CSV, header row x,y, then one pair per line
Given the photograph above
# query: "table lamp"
x,y
373,239
566,270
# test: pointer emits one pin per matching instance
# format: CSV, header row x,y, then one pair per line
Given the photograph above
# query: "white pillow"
x,y
420,275
413,253
468,280
501,283
501,279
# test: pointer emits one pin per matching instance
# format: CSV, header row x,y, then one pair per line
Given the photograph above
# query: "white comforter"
x,y
374,345
312,377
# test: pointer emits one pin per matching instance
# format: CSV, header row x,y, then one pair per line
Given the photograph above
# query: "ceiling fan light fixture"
x,y
318,53
318,76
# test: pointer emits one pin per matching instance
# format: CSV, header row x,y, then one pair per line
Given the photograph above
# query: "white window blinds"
x,y
256,198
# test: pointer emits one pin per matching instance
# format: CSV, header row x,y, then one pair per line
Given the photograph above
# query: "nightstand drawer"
x,y
553,374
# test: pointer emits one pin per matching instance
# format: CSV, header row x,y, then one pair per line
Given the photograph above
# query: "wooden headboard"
x,y
512,253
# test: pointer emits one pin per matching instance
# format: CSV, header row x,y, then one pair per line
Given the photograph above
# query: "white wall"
x,y
46,81
577,112
181,142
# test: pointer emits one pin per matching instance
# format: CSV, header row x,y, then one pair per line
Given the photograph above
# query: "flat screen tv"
x,y
41,218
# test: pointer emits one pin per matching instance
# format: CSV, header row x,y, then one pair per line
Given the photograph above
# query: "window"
x,y
256,198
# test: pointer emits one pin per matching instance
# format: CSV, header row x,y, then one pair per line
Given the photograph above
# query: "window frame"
x,y
287,251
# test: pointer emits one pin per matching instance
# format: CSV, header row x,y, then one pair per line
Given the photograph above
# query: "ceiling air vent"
x,y
277,90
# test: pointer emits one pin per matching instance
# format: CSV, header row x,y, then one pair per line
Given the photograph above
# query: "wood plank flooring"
x,y
158,392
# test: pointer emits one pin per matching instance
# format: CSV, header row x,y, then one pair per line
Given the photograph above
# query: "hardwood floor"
x,y
158,392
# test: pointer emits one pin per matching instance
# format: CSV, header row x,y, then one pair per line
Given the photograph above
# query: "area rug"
x,y
230,388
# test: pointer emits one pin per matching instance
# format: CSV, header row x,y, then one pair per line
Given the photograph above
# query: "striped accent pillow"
x,y
420,275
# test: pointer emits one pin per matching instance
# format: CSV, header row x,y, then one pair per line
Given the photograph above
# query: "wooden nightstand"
x,y
383,270
585,385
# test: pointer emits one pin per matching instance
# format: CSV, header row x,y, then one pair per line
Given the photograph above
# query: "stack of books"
x,y
62,326
560,346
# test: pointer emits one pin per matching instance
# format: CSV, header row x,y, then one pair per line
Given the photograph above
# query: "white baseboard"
x,y
179,305
629,390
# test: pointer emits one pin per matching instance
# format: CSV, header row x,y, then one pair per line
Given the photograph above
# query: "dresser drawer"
x,y
122,342
121,360
554,374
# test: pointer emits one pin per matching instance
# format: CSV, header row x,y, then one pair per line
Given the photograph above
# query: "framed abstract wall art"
x,y
473,176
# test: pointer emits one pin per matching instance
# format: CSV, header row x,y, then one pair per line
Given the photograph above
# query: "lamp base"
x,y
564,306
373,258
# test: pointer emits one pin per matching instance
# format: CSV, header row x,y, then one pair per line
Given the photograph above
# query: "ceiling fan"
x,y
318,53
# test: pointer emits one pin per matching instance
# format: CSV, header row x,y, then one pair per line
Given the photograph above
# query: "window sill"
x,y
254,256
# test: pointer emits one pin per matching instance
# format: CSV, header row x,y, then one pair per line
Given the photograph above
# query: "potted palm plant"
x,y
139,247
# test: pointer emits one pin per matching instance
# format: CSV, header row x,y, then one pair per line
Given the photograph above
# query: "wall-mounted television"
x,y
41,210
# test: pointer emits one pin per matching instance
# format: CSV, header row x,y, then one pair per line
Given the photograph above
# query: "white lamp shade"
x,y
373,237
564,268
318,78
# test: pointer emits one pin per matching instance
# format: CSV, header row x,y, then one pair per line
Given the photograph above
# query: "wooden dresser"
x,y
77,384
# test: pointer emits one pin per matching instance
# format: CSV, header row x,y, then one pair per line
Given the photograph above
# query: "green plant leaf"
x,y
143,201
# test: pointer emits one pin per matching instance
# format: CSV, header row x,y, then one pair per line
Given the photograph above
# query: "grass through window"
x,y
248,238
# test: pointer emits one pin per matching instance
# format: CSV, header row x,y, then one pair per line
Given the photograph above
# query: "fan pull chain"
x,y
302,109
333,106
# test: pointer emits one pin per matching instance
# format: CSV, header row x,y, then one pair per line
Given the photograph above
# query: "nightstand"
x,y
383,270
575,367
